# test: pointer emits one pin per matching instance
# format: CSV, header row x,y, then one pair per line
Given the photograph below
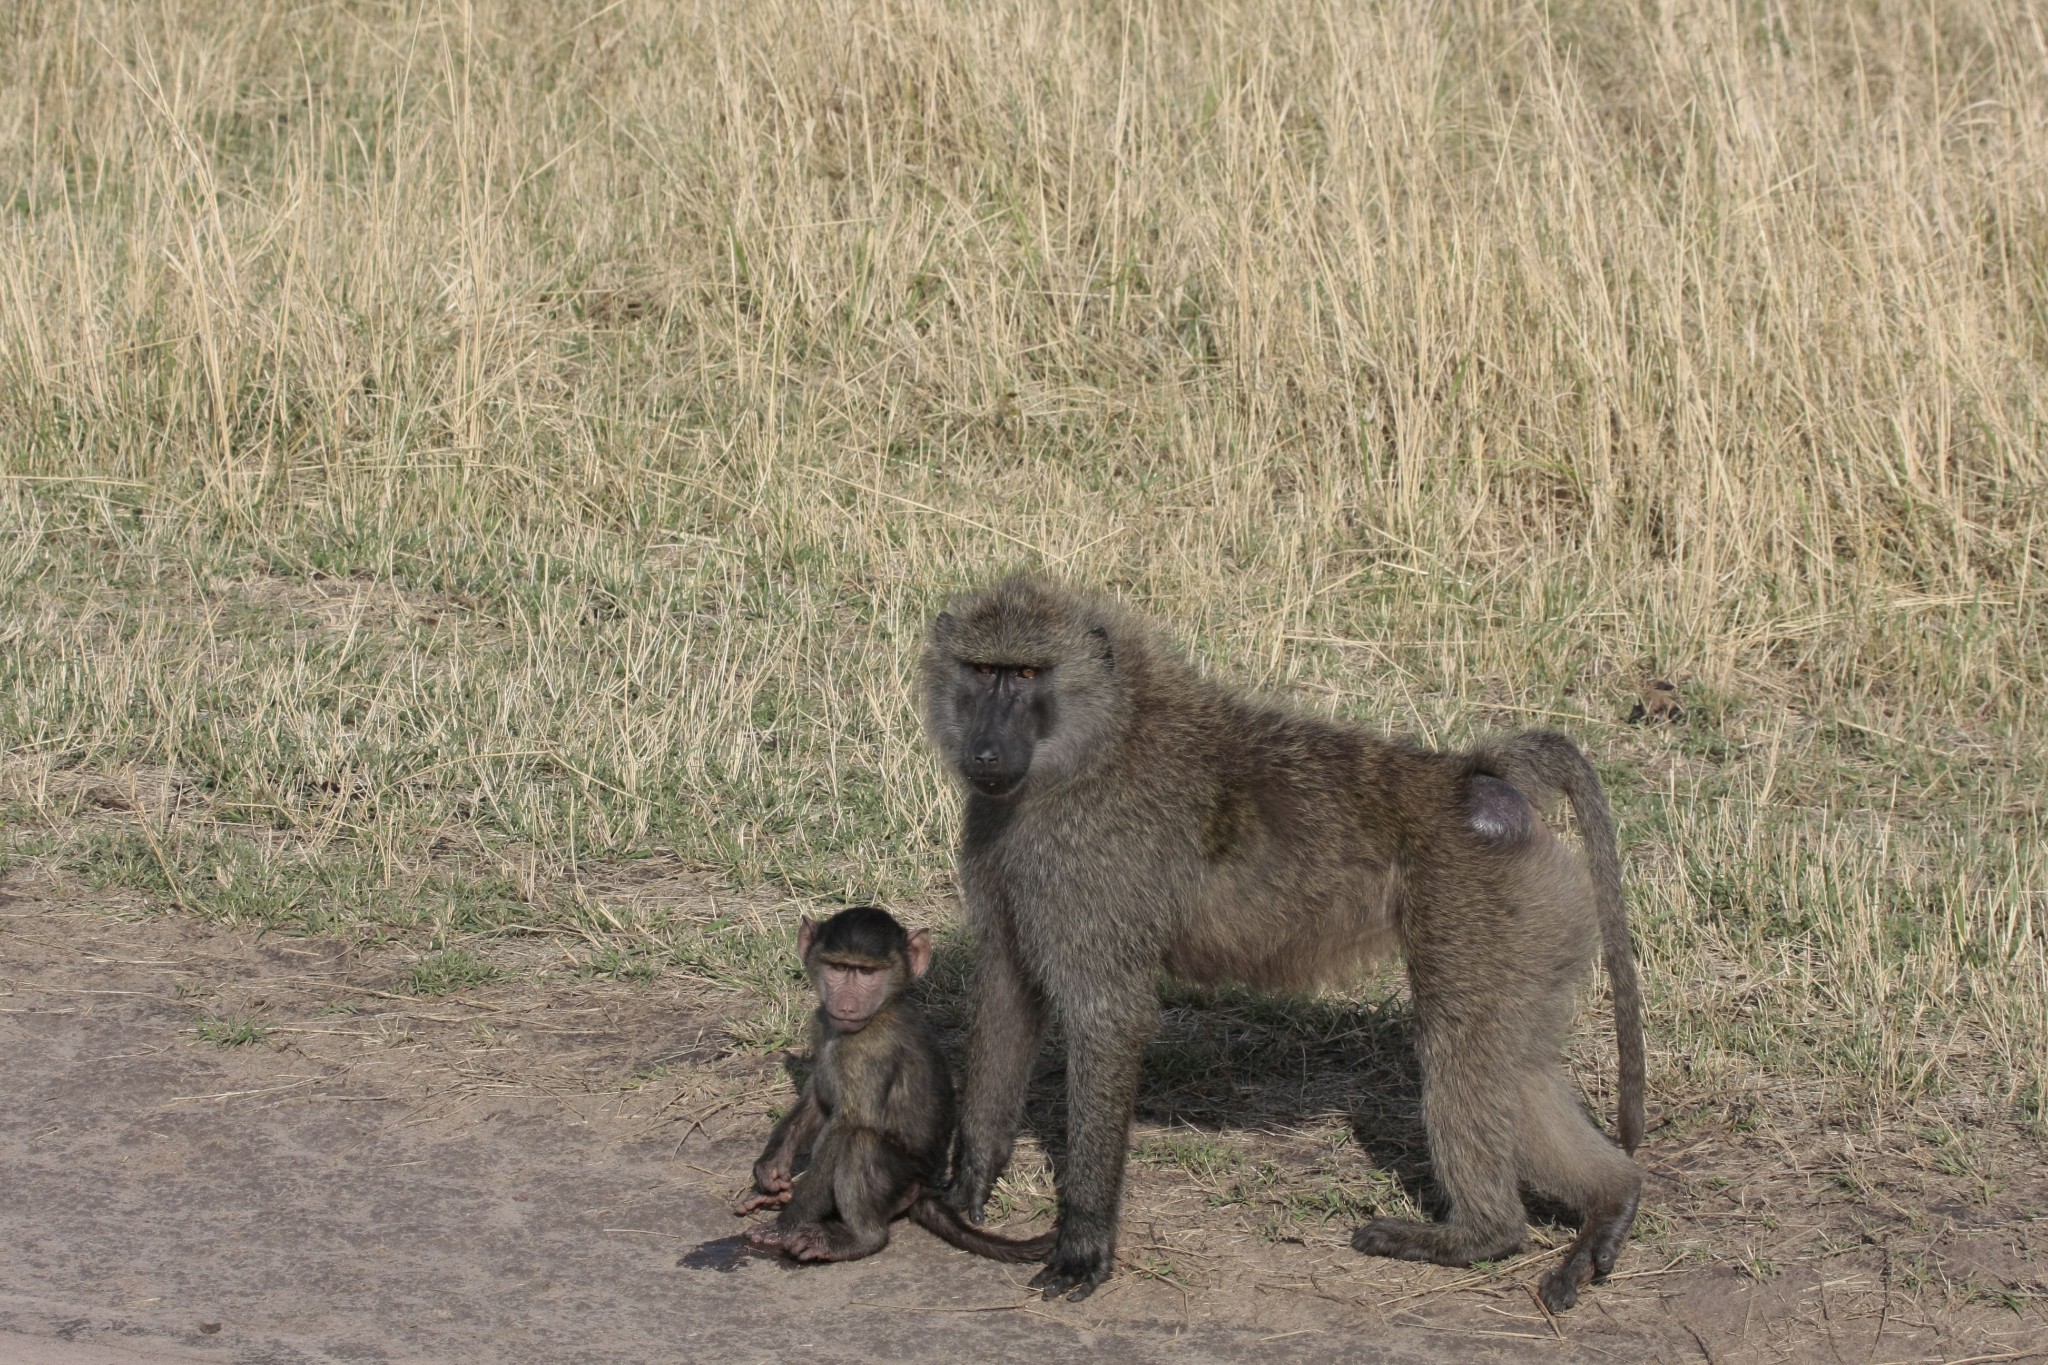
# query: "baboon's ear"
x,y
942,622
1108,650
806,934
920,952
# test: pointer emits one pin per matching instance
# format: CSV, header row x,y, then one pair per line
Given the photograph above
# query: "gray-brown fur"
x,y
876,1115
1543,762
1125,815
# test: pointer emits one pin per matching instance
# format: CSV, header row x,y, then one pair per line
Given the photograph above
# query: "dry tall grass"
x,y
542,428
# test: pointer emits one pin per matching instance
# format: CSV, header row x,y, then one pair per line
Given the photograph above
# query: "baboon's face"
x,y
853,990
1004,710
855,971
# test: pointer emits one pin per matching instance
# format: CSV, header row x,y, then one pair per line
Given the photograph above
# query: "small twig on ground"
x,y
697,1124
941,1308
238,1094
1544,1309
1429,1291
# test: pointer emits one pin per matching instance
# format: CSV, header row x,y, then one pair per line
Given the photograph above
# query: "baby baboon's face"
x,y
853,991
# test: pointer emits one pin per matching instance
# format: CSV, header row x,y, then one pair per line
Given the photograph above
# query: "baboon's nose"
x,y
987,760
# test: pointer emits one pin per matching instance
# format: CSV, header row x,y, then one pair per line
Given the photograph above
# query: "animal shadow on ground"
x,y
1243,1063
724,1254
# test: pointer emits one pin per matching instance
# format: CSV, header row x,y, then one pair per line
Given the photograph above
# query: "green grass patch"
x,y
230,1032
443,973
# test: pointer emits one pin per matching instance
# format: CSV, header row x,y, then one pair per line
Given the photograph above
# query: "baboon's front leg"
x,y
1104,1051
1002,1046
791,1139
814,1197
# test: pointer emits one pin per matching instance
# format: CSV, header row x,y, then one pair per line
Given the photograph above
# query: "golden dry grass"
x,y
450,451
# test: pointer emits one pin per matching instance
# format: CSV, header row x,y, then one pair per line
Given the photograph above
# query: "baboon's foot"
x,y
767,1237
832,1241
1592,1256
1443,1243
1078,1266
808,1243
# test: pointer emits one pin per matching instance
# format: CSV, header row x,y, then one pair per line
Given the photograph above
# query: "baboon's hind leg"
x,y
1565,1158
868,1177
1465,1112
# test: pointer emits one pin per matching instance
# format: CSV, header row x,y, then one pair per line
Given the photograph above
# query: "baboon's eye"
x,y
984,669
1027,672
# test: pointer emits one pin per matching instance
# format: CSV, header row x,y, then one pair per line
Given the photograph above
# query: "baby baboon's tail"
x,y
941,1221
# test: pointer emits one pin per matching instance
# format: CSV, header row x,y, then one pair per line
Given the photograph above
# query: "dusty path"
x,y
532,1171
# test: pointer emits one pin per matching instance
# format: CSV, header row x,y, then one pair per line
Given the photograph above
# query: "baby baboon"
x,y
877,1113
1126,815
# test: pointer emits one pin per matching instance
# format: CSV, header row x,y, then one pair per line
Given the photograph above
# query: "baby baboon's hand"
x,y
760,1200
771,1188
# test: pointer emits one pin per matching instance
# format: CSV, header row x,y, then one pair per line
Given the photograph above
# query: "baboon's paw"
x,y
1604,1257
1073,1274
1397,1238
1441,1243
767,1237
1560,1288
808,1244
1608,1238
967,1196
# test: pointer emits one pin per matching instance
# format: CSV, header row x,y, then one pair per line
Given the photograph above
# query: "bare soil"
x,y
541,1169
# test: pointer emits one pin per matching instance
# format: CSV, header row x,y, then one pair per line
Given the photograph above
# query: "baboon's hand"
x,y
968,1194
771,1188
1075,1271
749,1203
1560,1288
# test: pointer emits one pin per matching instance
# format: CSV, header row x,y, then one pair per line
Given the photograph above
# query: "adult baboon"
x,y
1126,815
877,1113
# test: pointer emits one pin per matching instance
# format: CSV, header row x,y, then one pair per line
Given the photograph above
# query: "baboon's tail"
x,y
943,1222
1543,761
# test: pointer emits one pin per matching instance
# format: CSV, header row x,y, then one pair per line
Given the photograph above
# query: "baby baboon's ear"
x,y
920,952
806,934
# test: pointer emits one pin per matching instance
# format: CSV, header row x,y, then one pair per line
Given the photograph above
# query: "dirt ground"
x,y
540,1170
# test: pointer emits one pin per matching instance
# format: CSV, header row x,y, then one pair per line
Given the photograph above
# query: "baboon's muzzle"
x,y
997,753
